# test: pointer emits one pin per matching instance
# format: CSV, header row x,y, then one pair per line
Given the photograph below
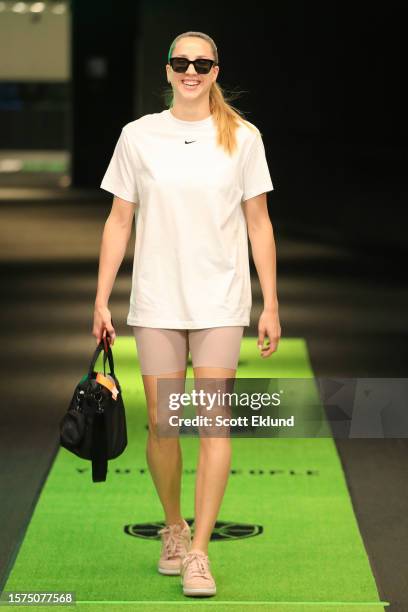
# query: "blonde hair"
x,y
226,116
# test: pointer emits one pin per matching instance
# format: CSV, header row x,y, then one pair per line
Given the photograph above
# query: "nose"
x,y
191,69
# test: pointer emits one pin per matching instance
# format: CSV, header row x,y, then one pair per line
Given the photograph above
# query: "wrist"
x,y
272,306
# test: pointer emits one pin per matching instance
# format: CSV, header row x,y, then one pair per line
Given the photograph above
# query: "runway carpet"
x,y
286,537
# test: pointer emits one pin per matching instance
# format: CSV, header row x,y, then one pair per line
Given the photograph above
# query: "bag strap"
x,y
99,448
107,355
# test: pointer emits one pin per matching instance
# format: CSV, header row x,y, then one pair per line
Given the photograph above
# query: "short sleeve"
x,y
256,176
121,175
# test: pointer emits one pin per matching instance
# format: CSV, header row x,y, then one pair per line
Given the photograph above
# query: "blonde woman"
x,y
195,178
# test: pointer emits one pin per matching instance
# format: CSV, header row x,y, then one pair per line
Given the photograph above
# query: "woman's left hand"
x,y
269,324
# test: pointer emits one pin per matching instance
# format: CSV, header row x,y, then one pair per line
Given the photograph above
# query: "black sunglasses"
x,y
201,66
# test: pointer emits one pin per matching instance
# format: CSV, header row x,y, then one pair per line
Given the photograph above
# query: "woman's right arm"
x,y
115,238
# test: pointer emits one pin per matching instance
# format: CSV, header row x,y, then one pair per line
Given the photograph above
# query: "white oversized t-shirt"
x,y
191,263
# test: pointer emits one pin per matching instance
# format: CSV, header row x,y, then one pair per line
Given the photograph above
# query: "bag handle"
x,y
107,355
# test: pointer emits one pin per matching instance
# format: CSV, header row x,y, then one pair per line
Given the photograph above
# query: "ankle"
x,y
200,550
179,521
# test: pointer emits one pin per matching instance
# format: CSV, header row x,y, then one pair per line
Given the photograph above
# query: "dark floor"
x,y
346,299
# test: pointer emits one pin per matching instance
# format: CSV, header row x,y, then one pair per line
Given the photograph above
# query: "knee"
x,y
158,433
152,416
153,429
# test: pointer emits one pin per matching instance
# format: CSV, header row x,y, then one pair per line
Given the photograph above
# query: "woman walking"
x,y
195,178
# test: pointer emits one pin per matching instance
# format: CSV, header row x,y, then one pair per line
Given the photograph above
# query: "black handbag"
x,y
94,426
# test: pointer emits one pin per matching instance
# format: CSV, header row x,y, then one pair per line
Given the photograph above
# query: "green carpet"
x,y
310,554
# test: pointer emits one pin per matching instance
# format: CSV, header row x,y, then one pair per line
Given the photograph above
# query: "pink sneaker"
x,y
176,542
195,572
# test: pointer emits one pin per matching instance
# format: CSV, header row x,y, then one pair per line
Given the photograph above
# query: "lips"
x,y
190,84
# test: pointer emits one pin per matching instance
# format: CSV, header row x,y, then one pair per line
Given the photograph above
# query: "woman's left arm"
x,y
263,248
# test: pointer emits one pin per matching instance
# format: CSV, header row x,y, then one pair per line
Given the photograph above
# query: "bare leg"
x,y
212,473
163,454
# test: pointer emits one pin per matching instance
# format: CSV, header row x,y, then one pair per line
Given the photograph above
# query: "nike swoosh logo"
x,y
189,141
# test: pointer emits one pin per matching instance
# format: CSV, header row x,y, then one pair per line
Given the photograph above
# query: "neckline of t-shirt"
x,y
208,121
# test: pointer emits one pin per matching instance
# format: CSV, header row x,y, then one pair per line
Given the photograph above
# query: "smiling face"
x,y
191,85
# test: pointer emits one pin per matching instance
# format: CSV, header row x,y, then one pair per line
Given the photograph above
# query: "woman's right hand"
x,y
103,324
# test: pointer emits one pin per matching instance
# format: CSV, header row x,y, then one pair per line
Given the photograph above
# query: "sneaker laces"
x,y
172,540
200,564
